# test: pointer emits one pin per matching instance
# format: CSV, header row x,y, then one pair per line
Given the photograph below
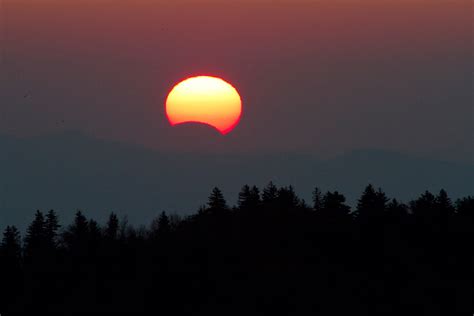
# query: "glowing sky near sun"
x,y
320,76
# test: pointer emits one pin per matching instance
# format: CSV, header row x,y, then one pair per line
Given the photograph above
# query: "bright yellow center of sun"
x,y
206,100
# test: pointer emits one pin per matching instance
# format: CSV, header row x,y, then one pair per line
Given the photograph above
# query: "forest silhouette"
x,y
271,253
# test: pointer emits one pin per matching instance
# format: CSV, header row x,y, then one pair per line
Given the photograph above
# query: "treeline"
x,y
271,253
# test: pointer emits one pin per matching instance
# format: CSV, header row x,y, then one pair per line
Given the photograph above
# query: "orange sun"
x,y
207,100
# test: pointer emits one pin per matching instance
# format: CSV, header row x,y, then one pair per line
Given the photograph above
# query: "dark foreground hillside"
x,y
271,254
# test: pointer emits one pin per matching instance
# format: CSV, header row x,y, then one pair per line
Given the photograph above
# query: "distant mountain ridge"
x,y
73,171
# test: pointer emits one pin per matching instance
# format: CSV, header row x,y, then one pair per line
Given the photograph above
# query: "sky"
x,y
322,77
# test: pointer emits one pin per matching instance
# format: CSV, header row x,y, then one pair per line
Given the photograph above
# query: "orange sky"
x,y
249,26
102,64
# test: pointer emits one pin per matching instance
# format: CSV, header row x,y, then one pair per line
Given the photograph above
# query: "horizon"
x,y
141,181
204,151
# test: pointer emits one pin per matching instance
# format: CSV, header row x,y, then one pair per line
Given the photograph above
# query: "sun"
x,y
205,99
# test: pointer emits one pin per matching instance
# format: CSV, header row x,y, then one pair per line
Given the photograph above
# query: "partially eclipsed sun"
x,y
207,100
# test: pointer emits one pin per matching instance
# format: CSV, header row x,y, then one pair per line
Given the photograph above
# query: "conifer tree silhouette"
x,y
76,235
317,199
334,215
249,198
287,198
255,198
124,228
51,230
270,193
217,201
94,230
244,261
444,205
244,197
465,206
175,221
334,204
11,245
95,236
112,227
35,237
164,226
465,214
397,213
424,211
10,267
371,207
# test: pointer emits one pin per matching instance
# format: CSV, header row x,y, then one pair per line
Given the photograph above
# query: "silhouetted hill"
x,y
72,171
192,137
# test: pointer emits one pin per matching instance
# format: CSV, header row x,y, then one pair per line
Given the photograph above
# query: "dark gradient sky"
x,y
320,77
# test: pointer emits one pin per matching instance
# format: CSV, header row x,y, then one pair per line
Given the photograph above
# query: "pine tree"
x,y
444,211
255,199
124,228
112,227
397,208
465,206
244,198
51,230
424,209
465,214
80,226
164,226
317,199
94,231
334,205
10,248
424,203
287,198
76,236
249,198
270,193
216,200
396,213
371,206
444,205
175,221
11,277
35,236
434,213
